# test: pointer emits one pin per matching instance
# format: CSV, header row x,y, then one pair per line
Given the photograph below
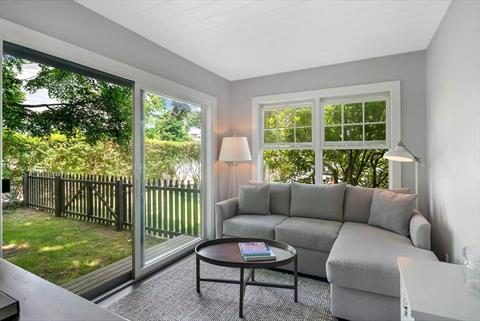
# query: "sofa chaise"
x,y
329,227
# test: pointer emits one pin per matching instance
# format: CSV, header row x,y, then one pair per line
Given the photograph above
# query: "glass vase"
x,y
471,268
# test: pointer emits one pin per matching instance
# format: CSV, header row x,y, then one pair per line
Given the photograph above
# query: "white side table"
x,y
435,291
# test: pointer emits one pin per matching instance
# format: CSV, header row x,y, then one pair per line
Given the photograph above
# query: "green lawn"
x,y
61,249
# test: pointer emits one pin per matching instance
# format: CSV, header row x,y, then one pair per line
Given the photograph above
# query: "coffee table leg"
x,y
242,292
253,275
295,280
198,274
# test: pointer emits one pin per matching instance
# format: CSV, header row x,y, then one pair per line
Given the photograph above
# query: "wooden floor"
x,y
95,283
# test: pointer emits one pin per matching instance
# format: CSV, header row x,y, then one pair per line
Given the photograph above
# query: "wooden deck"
x,y
95,283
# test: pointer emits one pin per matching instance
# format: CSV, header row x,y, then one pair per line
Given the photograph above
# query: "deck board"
x,y
121,270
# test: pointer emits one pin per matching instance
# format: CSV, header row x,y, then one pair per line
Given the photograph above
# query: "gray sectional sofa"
x,y
328,226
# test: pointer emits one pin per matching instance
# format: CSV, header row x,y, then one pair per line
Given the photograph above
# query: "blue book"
x,y
267,257
254,249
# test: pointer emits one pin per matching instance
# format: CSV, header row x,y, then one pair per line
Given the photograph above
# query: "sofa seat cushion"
x,y
364,257
308,233
261,226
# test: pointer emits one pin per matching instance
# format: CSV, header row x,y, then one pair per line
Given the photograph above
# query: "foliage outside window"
x,y
83,125
351,146
289,165
360,123
288,127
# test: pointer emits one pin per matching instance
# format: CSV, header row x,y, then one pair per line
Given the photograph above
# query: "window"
x,y
290,125
356,123
355,139
287,139
329,140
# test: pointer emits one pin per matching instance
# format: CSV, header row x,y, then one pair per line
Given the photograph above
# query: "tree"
x,y
169,124
358,167
12,94
95,108
362,167
290,165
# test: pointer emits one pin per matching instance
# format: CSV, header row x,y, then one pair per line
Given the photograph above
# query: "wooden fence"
x,y
171,207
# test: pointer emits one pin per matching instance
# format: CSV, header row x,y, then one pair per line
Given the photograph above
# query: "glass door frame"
x,y
142,79
208,105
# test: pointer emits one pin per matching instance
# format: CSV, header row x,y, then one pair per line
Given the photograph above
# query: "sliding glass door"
x,y
170,177
76,195
67,167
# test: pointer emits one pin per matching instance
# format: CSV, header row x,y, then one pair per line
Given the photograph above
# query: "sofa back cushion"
x,y
358,201
392,211
317,201
280,194
254,200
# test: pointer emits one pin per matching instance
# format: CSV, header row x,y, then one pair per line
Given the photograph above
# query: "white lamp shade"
x,y
235,149
399,154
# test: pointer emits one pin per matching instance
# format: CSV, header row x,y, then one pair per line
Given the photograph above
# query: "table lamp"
x,y
234,149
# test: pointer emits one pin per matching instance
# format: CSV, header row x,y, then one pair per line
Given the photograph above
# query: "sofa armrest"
x,y
420,231
224,210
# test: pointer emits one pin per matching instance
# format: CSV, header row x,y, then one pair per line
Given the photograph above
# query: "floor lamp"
x,y
400,153
234,149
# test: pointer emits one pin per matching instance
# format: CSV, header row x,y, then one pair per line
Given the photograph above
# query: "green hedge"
x,y
57,153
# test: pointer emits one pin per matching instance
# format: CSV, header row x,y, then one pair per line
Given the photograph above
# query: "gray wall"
x,y
73,23
453,130
409,68
451,116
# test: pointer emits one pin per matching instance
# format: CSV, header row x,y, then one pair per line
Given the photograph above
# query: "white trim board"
x,y
26,37
317,96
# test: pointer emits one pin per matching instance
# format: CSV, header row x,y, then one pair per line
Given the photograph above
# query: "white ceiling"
x,y
243,39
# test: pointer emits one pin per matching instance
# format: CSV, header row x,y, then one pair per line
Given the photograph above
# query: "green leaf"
x,y
375,111
303,135
358,167
269,119
352,113
289,166
286,118
333,133
375,132
303,117
353,133
332,114
286,136
270,136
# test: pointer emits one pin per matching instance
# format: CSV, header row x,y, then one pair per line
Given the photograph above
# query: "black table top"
x,y
226,252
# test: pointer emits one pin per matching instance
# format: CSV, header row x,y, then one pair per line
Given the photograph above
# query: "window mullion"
x,y
343,124
318,124
363,121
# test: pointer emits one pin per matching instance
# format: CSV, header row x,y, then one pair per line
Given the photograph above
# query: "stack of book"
x,y
256,251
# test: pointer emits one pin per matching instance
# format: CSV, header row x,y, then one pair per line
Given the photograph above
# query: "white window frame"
x,y
144,80
353,144
293,145
367,92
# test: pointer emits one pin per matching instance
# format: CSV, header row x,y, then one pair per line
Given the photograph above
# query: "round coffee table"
x,y
225,252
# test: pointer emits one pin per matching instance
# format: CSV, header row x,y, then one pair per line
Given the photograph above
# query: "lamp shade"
x,y
400,154
235,149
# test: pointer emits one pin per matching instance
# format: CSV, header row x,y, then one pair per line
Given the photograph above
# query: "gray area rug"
x,y
171,296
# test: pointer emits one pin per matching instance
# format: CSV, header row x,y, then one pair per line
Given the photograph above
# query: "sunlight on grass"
x,y
94,263
51,248
14,246
60,249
